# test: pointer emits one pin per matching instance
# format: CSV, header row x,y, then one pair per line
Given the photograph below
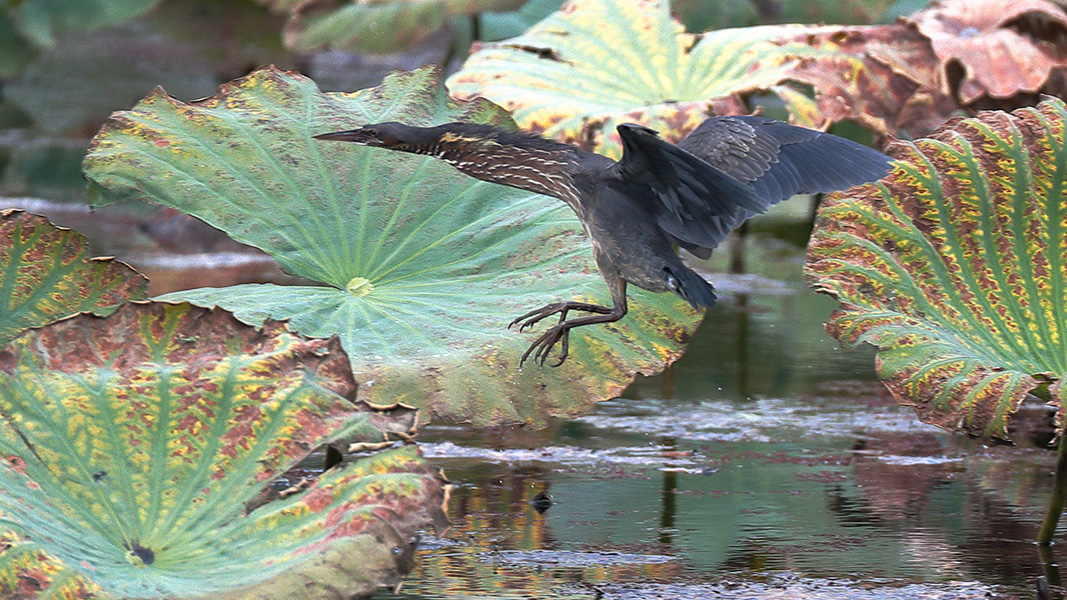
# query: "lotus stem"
x,y
1055,504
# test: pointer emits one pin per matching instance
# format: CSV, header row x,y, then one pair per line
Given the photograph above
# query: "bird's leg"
x,y
560,332
534,316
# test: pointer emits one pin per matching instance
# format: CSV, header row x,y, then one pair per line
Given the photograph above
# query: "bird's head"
x,y
392,135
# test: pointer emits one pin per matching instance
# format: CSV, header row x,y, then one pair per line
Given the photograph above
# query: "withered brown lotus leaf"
x,y
994,48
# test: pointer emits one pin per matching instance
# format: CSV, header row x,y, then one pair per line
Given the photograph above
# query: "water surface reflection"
x,y
766,461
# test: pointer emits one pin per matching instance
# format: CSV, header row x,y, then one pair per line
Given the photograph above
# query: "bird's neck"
x,y
497,158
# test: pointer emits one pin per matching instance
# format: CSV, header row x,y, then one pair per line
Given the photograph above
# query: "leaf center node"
x,y
359,287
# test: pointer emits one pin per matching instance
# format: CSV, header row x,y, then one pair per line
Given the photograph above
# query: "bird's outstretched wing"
x,y
779,160
731,168
692,201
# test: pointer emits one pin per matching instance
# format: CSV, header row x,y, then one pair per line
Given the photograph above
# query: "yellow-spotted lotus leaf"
x,y
47,273
28,572
419,268
373,26
596,63
955,267
138,449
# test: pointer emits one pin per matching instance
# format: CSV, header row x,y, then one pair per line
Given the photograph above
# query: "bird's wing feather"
x,y
692,201
779,160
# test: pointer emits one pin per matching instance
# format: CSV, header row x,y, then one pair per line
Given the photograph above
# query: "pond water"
x,y
767,463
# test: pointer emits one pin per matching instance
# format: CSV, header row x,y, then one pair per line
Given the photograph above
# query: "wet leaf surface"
x,y
47,273
597,63
955,267
421,267
135,445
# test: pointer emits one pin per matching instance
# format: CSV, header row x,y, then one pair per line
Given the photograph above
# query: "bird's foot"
x,y
542,346
535,316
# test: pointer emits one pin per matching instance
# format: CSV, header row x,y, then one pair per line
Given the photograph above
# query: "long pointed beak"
x,y
352,135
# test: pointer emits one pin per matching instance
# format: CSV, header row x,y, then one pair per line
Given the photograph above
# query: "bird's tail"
x,y
687,284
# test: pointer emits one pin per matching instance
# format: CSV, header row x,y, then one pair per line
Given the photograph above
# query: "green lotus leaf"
x,y
701,15
377,26
140,450
597,63
493,26
421,268
47,273
39,19
955,267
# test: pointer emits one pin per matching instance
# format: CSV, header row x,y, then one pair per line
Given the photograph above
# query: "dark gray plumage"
x,y
656,197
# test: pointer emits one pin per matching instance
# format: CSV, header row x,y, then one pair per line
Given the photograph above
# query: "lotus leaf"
x,y
38,20
1001,48
597,63
896,91
500,25
955,267
419,268
375,26
138,448
922,69
46,273
702,15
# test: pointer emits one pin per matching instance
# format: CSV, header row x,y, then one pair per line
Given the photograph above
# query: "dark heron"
x,y
658,197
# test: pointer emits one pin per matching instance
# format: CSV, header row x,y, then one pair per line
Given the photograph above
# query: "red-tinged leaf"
x,y
955,267
1002,48
47,273
139,448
